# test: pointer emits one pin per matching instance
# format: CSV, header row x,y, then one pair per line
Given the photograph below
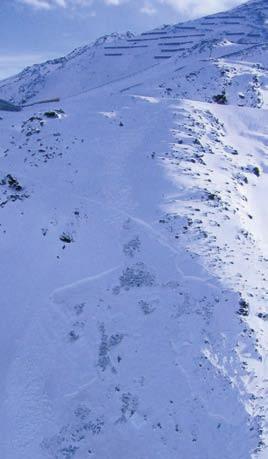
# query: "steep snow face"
x,y
134,251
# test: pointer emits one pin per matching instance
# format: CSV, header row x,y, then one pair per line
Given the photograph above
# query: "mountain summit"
x,y
134,247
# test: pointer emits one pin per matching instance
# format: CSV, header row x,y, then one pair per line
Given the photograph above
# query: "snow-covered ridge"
x,y
32,80
243,27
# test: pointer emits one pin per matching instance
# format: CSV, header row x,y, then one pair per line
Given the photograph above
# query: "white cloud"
x,y
49,4
113,2
184,7
191,8
149,9
39,4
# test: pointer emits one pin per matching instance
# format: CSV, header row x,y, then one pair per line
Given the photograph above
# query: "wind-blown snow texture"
x,y
133,237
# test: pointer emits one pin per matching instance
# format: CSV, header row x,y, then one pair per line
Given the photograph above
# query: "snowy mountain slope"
x,y
117,56
134,254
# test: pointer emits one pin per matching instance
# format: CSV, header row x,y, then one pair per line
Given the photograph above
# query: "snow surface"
x,y
134,248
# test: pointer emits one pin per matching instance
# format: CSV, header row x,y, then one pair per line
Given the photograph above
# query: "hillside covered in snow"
x,y
134,247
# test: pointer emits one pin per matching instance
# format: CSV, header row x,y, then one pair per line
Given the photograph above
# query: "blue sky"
x,y
36,30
